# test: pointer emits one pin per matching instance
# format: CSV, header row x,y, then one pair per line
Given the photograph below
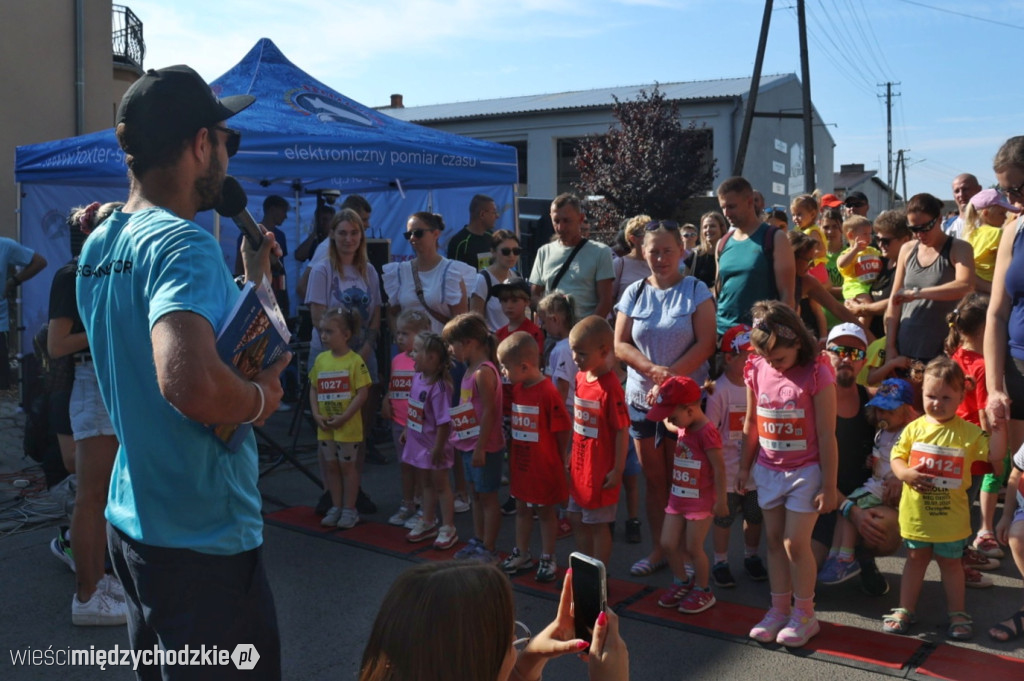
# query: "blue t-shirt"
x,y
662,328
11,253
173,483
1015,291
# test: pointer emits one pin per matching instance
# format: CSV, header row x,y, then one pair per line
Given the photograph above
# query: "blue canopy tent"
x,y
298,137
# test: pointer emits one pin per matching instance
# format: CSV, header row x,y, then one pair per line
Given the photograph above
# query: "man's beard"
x,y
845,377
208,186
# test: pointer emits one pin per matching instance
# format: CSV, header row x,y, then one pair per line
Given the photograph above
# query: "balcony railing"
x,y
128,46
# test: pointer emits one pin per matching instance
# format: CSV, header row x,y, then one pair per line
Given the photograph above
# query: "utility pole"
x,y
888,128
810,180
755,84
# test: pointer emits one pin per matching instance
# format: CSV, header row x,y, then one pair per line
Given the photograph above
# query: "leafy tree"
x,y
646,163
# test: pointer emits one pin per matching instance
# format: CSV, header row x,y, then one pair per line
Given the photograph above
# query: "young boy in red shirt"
x,y
600,438
515,300
540,438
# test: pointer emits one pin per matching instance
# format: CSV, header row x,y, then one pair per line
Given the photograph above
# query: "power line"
x,y
964,14
848,48
851,75
864,33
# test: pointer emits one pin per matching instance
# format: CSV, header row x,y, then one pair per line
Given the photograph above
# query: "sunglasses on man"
x,y
234,138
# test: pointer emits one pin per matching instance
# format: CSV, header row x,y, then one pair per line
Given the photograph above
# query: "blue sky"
x,y
955,73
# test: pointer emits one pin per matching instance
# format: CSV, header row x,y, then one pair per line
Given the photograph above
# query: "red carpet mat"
x,y
851,646
963,664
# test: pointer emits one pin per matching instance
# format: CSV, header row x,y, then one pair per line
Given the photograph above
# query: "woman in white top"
x,y
504,258
345,278
429,281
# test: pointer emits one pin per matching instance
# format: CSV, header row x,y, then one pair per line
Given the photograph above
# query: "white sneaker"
x,y
112,585
517,562
102,610
413,519
349,519
400,516
332,517
462,505
446,538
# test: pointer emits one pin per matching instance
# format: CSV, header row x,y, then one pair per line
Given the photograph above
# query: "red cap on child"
x,y
674,391
736,340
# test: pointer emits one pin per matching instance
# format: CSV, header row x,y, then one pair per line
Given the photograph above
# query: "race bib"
x,y
464,423
585,417
333,386
686,478
867,268
737,412
525,423
415,418
944,464
400,385
781,430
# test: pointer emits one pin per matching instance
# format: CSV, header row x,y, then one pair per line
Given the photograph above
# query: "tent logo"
x,y
326,106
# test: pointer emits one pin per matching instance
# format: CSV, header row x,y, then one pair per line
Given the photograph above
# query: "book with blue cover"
x,y
253,337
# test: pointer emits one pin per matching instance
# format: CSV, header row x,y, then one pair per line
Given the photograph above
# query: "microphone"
x,y
233,202
232,205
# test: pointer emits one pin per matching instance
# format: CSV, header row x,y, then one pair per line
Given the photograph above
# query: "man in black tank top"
x,y
877,527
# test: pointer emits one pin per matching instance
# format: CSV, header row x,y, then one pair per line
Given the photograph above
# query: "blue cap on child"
x,y
893,393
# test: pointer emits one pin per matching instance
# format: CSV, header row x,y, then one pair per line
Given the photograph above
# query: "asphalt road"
x,y
327,595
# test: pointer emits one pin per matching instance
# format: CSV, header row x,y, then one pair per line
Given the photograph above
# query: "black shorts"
x,y
1014,381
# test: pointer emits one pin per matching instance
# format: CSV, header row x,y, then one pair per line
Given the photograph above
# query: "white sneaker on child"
x,y
332,517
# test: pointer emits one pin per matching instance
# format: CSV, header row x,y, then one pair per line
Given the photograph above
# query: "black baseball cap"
x,y
854,199
171,104
517,287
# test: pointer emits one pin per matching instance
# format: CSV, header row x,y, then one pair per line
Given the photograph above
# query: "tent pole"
x,y
216,226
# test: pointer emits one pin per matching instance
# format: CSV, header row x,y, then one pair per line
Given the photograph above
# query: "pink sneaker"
x,y
799,630
767,630
698,600
674,595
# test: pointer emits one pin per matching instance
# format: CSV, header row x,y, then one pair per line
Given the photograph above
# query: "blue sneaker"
x,y
469,550
61,548
836,571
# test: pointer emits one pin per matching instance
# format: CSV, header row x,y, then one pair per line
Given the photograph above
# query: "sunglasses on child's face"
x,y
845,352
510,251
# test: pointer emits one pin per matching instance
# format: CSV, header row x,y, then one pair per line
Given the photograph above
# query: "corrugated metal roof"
x,y
583,99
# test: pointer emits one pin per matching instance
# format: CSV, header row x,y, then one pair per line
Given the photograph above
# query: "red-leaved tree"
x,y
647,162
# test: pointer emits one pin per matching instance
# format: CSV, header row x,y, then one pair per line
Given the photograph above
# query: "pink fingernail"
x,y
582,645
602,619
568,573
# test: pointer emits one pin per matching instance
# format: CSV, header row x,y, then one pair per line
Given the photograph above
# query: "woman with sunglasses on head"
x,y
455,621
933,272
505,252
429,281
664,326
891,232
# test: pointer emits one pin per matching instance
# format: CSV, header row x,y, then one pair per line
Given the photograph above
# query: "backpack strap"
x,y
565,265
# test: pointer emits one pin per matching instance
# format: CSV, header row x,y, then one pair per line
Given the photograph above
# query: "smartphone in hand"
x,y
589,593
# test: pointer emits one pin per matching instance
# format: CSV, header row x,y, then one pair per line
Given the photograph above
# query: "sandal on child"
x,y
1010,634
644,567
962,630
898,621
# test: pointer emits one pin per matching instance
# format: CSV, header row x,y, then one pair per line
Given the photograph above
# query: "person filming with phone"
x,y
431,627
